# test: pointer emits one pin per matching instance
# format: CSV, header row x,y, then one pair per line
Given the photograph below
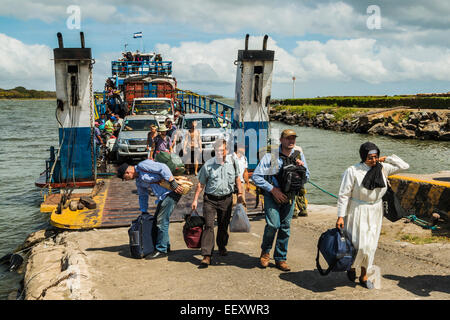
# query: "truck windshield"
x,y
202,123
139,125
152,107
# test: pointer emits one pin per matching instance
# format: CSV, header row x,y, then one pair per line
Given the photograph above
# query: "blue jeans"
x,y
162,214
278,219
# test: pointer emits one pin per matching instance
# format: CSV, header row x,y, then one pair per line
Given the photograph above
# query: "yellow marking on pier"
x,y
81,219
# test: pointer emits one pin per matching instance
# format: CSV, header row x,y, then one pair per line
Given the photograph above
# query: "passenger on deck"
x,y
218,178
147,173
161,142
98,138
171,128
192,147
102,121
109,127
150,139
241,160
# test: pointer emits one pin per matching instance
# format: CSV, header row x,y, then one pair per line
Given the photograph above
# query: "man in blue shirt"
x,y
147,174
278,207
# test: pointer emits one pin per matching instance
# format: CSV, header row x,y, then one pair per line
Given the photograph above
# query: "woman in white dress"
x,y
360,209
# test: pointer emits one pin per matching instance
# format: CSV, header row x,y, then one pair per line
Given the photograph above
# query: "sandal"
x,y
366,284
351,275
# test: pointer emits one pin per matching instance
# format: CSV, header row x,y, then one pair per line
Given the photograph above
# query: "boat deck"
x,y
117,205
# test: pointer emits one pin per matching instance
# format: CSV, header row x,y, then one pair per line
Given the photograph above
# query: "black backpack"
x,y
291,177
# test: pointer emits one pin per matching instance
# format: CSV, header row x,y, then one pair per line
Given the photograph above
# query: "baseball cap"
x,y
121,170
288,133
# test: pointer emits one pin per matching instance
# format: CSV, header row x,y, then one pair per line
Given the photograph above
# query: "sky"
x,y
348,47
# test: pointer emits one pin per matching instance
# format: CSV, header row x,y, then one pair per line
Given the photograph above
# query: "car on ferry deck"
x,y
132,139
209,127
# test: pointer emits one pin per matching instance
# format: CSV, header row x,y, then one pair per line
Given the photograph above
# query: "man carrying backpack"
x,y
281,176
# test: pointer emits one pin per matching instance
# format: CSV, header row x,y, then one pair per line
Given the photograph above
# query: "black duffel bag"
x,y
392,209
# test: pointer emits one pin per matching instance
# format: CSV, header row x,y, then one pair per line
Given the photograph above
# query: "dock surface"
x,y
97,265
118,204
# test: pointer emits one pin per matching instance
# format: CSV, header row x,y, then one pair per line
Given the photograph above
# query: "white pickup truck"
x,y
161,108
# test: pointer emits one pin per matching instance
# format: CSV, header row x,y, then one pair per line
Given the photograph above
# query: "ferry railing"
x,y
191,101
125,68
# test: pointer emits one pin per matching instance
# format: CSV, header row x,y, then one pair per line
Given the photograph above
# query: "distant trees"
x,y
23,93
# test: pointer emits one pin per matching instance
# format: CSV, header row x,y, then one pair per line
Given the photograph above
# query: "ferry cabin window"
x,y
202,123
139,125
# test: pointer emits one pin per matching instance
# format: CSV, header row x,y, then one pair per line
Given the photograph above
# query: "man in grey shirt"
x,y
218,177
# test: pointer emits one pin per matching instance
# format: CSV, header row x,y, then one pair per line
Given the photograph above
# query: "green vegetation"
x,y
23,93
310,111
423,240
416,101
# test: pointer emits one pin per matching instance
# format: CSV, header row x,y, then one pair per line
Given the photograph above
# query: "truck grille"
x,y
137,142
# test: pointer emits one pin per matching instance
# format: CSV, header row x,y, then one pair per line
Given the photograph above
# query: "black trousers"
x,y
222,206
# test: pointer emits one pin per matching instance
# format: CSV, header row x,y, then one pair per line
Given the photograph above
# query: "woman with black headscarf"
x,y
360,209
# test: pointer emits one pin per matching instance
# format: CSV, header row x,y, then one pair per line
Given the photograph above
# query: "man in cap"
x,y
278,206
147,174
162,141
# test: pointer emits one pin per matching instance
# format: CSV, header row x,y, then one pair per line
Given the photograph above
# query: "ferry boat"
x,y
80,188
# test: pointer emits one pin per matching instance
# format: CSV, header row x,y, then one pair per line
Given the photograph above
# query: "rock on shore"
x,y
399,123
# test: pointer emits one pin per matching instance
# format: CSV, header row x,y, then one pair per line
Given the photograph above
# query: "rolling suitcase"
x,y
142,234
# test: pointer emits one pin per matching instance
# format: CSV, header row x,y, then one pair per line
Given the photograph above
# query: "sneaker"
x,y
158,254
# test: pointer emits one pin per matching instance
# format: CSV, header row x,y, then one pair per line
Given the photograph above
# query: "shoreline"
x,y
95,264
398,122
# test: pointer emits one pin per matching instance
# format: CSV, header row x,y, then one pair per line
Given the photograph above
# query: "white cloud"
x,y
339,60
25,65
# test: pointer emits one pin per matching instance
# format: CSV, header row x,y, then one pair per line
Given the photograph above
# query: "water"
x,y
29,128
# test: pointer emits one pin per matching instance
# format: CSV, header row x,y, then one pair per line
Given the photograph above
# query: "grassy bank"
x,y
416,101
311,111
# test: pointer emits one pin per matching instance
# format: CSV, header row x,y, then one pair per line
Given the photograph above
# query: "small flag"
x,y
137,35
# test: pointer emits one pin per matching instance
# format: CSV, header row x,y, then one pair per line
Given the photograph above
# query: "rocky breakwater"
x,y
397,123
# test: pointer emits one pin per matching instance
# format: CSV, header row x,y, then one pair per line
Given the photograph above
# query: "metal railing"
x,y
193,102
125,68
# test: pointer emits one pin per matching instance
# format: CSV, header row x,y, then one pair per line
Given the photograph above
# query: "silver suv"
x,y
209,127
132,139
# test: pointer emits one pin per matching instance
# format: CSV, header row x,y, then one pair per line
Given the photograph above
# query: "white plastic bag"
x,y
239,222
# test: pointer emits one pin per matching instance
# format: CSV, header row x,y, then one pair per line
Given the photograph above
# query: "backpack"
x,y
337,250
291,177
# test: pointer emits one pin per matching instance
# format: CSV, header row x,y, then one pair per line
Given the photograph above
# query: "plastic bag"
x,y
374,275
239,222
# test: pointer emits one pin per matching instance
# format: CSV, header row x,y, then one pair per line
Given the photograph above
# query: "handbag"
x,y
337,250
392,209
193,229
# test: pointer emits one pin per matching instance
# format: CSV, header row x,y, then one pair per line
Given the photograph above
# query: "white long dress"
x,y
362,208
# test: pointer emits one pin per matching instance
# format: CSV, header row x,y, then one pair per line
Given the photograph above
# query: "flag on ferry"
x,y
137,35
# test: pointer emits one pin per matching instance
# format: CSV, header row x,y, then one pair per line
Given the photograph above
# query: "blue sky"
x,y
328,45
